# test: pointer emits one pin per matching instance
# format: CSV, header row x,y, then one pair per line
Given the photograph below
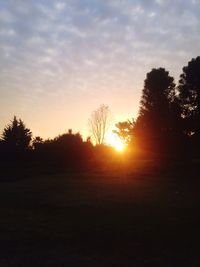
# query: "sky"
x,y
60,60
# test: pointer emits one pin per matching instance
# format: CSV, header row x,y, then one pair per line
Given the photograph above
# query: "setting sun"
x,y
115,142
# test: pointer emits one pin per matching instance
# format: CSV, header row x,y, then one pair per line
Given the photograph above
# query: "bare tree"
x,y
99,123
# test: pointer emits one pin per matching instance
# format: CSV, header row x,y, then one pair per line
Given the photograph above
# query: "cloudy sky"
x,y
59,60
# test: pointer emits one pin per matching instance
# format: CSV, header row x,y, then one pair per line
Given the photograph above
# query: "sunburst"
x,y
115,142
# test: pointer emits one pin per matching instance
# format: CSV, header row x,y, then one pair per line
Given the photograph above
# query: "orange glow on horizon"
x,y
113,140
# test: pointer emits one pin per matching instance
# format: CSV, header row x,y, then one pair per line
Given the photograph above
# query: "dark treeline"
x,y
168,122
18,146
168,125
64,151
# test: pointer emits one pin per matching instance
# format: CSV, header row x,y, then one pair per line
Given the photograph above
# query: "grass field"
x,y
135,215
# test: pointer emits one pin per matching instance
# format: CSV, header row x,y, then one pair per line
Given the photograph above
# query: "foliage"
x,y
158,93
159,118
189,95
66,150
125,130
16,137
37,142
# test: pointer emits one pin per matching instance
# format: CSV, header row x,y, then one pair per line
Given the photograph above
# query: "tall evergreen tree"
x,y
159,117
16,137
189,95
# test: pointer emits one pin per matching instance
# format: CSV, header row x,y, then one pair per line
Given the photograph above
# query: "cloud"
x,y
92,49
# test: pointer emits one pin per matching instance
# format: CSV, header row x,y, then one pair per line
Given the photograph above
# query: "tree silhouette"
x,y
125,131
37,142
16,136
189,95
66,150
99,123
159,113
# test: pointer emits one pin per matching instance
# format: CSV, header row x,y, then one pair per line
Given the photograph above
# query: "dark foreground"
x,y
122,216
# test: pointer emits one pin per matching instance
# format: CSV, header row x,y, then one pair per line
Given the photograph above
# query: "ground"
x,y
135,215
